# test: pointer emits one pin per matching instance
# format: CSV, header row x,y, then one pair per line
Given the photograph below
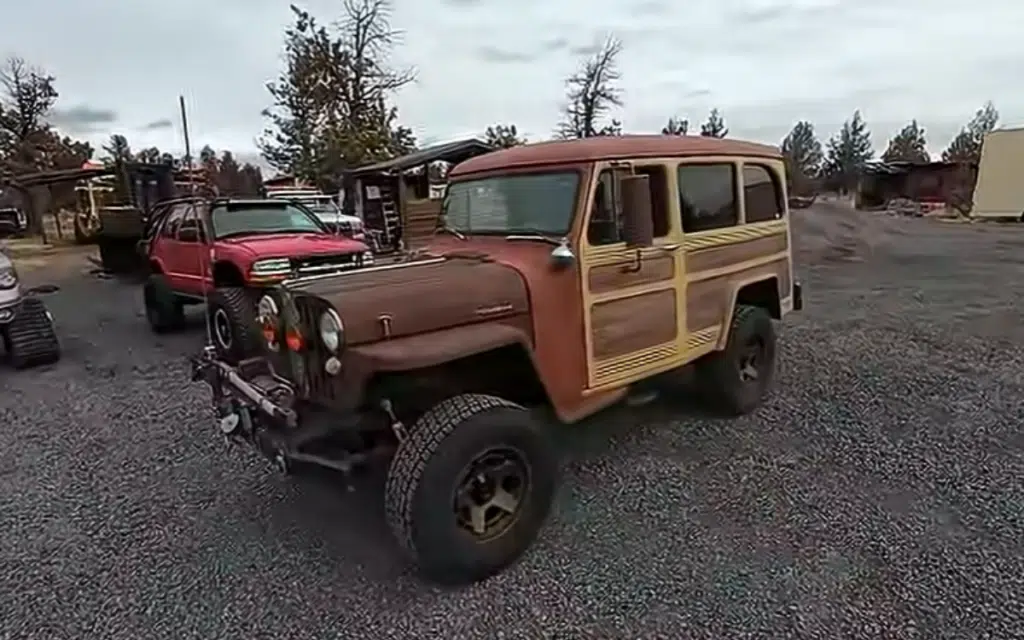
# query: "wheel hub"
x,y
488,497
750,361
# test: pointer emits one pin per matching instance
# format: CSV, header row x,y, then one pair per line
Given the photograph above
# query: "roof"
x,y
454,152
613,148
56,176
905,166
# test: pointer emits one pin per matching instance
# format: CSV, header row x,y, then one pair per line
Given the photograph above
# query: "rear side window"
x,y
762,194
707,196
173,221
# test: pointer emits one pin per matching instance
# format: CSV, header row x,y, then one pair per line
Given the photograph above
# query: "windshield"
x,y
530,203
262,217
320,206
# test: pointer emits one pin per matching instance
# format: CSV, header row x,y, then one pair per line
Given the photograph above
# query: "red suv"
x,y
224,251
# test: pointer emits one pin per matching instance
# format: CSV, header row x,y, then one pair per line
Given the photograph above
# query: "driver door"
x,y
634,300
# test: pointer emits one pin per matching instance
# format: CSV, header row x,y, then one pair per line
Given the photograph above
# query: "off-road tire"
x,y
164,311
239,306
30,338
425,471
719,372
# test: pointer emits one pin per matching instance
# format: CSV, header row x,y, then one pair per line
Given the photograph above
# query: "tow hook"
x,y
396,425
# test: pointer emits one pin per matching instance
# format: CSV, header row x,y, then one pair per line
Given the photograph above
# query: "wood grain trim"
x,y
717,257
610,277
706,302
626,325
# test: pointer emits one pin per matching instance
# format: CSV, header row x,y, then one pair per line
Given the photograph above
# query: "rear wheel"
x,y
30,338
164,311
470,487
737,378
232,316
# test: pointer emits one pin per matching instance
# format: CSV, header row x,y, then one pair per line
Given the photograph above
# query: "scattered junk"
x,y
801,202
27,330
13,221
396,199
914,188
999,191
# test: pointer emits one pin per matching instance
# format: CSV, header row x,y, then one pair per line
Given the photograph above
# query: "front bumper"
x,y
250,390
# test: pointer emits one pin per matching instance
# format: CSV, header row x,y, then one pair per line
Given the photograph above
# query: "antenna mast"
x,y
204,266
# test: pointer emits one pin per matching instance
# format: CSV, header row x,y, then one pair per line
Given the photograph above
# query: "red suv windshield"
x,y
235,219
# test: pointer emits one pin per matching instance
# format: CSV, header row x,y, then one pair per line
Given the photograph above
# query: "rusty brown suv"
x,y
562,274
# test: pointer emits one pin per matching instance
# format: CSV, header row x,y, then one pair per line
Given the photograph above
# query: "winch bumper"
x,y
251,385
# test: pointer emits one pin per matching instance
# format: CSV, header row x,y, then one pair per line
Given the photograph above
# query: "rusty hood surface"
x,y
420,296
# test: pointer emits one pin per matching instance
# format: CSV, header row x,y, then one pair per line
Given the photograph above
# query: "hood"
x,y
421,296
293,245
336,216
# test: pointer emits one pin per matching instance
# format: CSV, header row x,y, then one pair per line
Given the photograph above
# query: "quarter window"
x,y
761,194
707,196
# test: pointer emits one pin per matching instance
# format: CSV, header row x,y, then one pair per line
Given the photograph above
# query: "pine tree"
x,y
676,127
802,154
847,152
714,127
503,136
908,145
966,146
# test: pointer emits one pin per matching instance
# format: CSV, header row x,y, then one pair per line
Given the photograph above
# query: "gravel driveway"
x,y
878,494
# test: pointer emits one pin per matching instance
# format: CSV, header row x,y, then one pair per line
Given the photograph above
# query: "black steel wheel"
x,y
737,378
470,487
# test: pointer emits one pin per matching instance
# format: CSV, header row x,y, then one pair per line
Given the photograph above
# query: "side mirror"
x,y
188,234
637,211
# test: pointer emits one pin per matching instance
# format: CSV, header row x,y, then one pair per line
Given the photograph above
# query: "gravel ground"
x,y
878,494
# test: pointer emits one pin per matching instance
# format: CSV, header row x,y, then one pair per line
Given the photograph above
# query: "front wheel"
x,y
470,487
231,312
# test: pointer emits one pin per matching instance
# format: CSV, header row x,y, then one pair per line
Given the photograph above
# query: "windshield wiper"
x,y
449,229
537,236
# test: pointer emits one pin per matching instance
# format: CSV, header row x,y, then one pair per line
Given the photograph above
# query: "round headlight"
x,y
331,330
267,308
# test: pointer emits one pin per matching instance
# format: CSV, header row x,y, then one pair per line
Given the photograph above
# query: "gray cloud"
x,y
157,125
82,118
489,53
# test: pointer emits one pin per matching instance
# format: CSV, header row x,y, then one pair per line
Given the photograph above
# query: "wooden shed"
x,y
395,198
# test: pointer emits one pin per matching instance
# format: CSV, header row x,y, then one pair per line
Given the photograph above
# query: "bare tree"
x,y
331,108
27,95
591,94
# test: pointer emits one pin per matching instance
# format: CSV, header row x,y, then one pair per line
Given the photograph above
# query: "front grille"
x,y
332,263
318,384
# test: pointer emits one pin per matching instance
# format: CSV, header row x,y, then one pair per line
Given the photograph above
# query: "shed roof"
x,y
448,152
613,148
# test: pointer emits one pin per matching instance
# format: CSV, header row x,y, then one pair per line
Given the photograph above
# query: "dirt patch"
x,y
38,262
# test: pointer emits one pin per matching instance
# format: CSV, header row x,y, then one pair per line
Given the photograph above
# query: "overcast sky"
x,y
120,64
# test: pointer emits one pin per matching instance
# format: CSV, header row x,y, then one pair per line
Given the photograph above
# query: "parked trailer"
x,y
999,191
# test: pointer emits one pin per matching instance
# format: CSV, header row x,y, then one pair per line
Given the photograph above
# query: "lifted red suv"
x,y
225,251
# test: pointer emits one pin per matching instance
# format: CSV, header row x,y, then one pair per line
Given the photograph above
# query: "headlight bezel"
x,y
331,337
268,315
8,277
271,267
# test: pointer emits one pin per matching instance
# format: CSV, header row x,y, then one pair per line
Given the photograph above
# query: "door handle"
x,y
668,247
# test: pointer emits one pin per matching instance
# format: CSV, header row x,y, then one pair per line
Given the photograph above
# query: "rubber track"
x,y
32,339
422,441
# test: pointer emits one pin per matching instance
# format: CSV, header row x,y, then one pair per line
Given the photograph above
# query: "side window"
x,y
191,221
173,221
605,226
707,196
761,194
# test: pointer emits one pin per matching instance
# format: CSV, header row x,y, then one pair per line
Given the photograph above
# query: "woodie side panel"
x,y
706,303
736,253
612,277
630,324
